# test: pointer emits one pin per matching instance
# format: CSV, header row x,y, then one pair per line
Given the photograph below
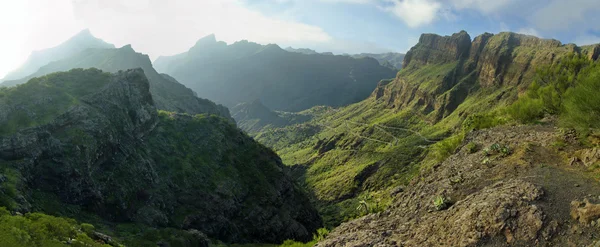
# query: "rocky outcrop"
x,y
435,49
585,212
440,72
106,151
492,199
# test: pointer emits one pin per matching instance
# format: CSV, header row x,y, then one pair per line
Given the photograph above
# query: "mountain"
x,y
255,117
91,145
391,59
168,94
364,154
281,80
82,41
305,51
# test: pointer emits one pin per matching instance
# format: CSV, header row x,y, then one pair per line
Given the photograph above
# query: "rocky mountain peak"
x,y
206,41
435,49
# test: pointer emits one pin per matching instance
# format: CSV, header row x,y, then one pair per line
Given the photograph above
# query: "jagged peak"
x,y
208,39
270,48
127,47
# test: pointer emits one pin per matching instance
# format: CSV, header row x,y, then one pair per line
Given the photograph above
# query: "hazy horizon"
x,y
160,28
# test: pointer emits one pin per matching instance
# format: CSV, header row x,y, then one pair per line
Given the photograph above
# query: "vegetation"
x,y
319,236
46,97
40,230
552,91
441,203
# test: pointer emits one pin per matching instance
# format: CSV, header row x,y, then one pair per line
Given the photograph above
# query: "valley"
x,y
463,141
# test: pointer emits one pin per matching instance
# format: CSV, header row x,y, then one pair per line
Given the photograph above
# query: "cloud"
x,y
32,25
485,6
529,31
166,27
414,13
564,15
347,1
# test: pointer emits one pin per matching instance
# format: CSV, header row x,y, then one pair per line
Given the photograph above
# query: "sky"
x,y
167,27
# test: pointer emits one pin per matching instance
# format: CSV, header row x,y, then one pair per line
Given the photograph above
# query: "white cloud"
x,y
565,15
165,27
529,31
155,27
348,1
414,13
28,25
485,6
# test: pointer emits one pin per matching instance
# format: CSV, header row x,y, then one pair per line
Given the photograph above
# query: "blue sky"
x,y
378,25
167,27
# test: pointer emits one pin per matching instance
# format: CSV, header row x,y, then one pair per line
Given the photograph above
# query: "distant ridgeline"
x,y
91,145
168,94
82,41
290,81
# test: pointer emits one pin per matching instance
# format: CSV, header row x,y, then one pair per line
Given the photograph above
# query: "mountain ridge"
x,y
129,163
168,93
81,41
281,80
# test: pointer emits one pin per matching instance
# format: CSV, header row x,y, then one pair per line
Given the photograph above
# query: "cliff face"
x,y
441,71
93,142
435,49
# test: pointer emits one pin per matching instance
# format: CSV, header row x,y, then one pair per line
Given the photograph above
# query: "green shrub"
x,y
447,147
319,236
441,203
40,230
582,103
482,121
526,110
472,147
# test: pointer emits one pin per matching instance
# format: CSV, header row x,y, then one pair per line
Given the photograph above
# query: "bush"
x,y
582,103
440,203
526,110
37,229
447,147
319,236
472,147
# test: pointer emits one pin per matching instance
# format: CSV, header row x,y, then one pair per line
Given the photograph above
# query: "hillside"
x,y
168,94
534,194
91,145
281,80
365,153
80,42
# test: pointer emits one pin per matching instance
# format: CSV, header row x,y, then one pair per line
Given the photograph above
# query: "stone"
x,y
584,211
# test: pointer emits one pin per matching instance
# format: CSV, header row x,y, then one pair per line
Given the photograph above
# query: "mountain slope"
x,y
281,80
523,197
168,94
366,152
85,142
82,41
